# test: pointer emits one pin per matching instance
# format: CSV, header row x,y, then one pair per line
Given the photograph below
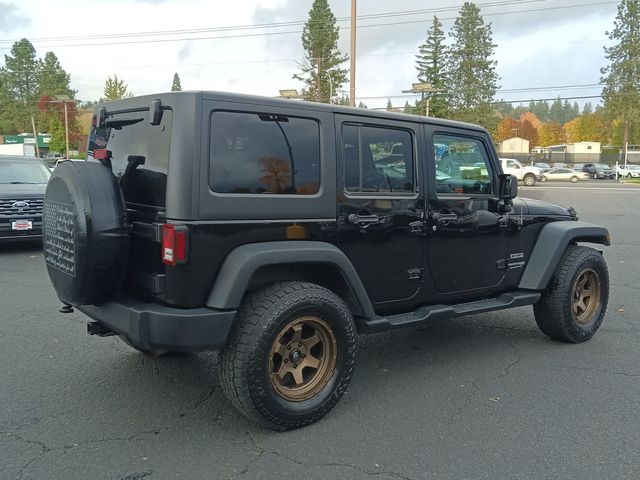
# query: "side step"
x,y
503,301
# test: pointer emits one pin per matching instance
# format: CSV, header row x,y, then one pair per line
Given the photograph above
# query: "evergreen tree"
x,y
621,78
556,112
430,64
408,108
588,108
321,72
19,85
54,80
115,89
175,86
362,105
471,76
389,105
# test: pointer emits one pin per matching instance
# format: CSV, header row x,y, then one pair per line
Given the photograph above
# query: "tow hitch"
x,y
97,328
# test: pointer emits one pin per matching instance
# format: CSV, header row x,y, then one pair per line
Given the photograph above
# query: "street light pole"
x,y
423,88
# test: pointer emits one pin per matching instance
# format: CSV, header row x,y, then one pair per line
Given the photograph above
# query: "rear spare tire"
x,y
85,232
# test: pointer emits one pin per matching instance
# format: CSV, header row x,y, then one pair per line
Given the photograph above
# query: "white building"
x,y
514,145
584,147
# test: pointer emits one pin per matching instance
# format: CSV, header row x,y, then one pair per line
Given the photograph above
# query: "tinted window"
x,y
462,165
130,137
261,153
378,160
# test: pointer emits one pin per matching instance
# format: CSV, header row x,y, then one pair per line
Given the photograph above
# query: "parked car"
x,y
628,171
22,186
564,175
544,167
267,230
598,170
524,173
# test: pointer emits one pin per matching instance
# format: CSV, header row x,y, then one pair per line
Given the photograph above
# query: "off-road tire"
x,y
141,349
529,180
554,312
245,370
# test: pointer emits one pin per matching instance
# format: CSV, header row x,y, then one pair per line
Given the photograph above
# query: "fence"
x,y
608,157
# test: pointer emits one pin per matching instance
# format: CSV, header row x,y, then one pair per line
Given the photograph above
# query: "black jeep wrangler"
x,y
276,230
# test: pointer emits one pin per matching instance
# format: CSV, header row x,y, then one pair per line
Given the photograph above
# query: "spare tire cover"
x,y
85,232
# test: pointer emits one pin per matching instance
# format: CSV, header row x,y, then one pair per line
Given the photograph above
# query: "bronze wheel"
x,y
586,296
302,359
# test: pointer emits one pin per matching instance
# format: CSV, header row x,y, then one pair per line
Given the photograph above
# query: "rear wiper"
x,y
118,124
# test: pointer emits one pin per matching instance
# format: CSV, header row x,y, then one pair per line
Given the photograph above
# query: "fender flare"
x,y
240,265
551,245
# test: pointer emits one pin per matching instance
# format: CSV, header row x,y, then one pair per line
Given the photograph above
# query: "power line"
x,y
346,27
274,24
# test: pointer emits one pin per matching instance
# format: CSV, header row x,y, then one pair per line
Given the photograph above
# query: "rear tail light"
x,y
174,244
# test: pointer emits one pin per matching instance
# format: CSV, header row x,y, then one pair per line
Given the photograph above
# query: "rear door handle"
x,y
363,219
443,217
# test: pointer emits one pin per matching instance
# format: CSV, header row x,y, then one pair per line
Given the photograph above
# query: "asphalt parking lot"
x,y
485,396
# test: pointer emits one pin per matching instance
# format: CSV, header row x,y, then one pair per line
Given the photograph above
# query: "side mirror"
x,y
508,187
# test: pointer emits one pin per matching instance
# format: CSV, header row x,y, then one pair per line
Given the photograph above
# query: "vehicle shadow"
x,y
25,246
184,392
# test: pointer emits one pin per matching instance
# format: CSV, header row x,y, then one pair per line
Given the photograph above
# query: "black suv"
x,y
276,230
599,170
22,185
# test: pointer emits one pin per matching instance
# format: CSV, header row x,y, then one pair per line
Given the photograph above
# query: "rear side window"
x,y
264,153
378,160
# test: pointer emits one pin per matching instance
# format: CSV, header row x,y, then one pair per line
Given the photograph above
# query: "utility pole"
x,y
352,71
35,135
66,128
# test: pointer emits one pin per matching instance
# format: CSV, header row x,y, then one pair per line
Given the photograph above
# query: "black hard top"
x,y
170,97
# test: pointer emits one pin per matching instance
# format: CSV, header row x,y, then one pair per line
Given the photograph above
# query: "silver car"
x,y
564,175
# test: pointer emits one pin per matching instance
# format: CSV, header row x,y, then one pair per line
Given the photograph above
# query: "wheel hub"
x,y
586,296
303,358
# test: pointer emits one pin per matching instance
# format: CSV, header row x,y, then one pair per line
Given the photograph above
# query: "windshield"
x,y
21,171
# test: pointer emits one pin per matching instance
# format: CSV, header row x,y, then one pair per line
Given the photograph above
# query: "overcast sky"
x,y
541,43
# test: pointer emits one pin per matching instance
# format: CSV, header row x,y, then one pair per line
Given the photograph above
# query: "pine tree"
x,y
175,86
321,72
389,105
471,76
588,108
115,89
556,112
19,85
54,80
430,64
621,78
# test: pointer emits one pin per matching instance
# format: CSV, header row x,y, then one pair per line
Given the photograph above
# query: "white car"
x,y
628,171
524,173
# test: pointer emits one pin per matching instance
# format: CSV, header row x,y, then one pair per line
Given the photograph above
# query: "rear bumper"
x,y
158,327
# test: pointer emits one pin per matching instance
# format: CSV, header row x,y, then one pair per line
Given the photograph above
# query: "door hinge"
x,y
415,273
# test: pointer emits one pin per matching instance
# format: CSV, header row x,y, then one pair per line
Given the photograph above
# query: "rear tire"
x,y
529,180
573,306
574,179
290,355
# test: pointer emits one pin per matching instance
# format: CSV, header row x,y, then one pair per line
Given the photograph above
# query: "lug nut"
x,y
295,365
299,344
304,355
288,347
286,361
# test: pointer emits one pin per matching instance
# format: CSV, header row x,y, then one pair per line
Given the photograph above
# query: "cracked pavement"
x,y
486,396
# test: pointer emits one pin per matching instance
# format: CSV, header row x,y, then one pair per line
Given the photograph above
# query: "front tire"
x,y
529,180
574,179
573,306
290,355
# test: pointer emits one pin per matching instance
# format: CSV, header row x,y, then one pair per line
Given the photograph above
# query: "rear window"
x,y
133,136
264,154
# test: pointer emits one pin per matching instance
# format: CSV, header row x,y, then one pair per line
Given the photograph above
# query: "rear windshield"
x,y
21,171
130,140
